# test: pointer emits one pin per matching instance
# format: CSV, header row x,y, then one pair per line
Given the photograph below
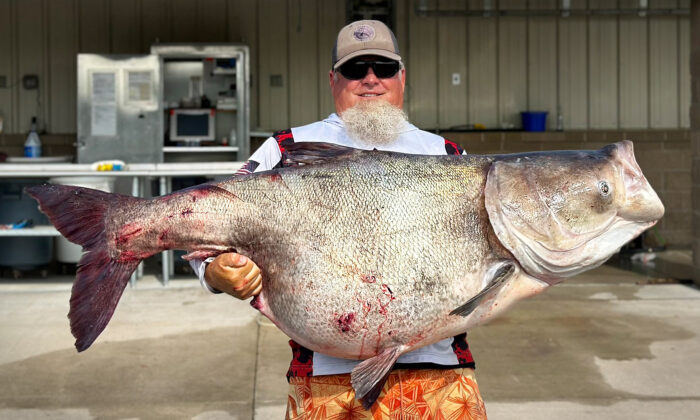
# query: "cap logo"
x,y
364,33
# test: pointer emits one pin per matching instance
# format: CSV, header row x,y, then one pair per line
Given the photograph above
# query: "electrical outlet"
x,y
276,80
456,79
30,81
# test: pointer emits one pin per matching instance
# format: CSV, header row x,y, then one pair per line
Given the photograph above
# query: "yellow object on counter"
x,y
108,165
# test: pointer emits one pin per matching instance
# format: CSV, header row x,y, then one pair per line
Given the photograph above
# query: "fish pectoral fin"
x,y
499,275
368,377
310,153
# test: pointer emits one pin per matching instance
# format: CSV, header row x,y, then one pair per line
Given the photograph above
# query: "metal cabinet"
x,y
119,108
129,106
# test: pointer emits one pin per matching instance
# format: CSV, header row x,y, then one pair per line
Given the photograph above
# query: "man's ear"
x,y
330,79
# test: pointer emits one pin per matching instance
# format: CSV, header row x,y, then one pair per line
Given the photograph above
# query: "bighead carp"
x,y
366,254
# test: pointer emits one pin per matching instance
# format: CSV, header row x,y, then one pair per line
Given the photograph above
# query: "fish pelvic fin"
x,y
368,377
502,272
79,214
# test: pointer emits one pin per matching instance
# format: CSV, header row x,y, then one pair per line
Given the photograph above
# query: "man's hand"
x,y
234,274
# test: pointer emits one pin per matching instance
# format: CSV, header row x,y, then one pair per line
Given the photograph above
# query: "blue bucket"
x,y
534,120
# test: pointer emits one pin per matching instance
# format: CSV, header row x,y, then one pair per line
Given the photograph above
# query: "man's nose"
x,y
370,77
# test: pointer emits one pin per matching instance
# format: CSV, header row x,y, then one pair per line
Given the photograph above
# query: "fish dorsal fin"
x,y
368,377
498,276
311,153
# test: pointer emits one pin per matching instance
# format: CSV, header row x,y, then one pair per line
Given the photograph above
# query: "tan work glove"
x,y
234,274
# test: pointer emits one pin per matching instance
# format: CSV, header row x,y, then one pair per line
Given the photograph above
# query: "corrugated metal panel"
x,y
63,48
422,83
183,20
125,27
331,17
573,71
303,57
634,75
30,60
243,28
663,74
94,27
452,59
542,66
602,68
211,21
684,72
604,72
512,70
483,74
272,38
402,9
7,67
155,23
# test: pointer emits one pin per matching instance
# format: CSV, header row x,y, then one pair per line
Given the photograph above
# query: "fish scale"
x,y
365,254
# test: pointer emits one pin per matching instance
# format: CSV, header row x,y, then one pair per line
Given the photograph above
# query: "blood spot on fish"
x,y
127,233
200,192
186,212
382,308
275,178
368,278
163,239
387,292
345,321
255,303
203,191
366,306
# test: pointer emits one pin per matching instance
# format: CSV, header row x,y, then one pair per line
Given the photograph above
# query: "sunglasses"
x,y
357,69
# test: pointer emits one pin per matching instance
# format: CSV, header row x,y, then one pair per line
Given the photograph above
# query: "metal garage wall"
x,y
603,72
625,72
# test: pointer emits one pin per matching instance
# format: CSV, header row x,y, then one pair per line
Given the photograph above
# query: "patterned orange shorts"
x,y
407,394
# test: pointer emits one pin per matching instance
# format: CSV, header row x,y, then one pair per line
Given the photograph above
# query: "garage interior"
x,y
613,343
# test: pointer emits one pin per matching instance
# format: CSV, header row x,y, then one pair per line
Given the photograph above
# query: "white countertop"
x,y
40,230
43,170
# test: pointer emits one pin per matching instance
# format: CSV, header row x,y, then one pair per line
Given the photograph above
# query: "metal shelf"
x,y
199,149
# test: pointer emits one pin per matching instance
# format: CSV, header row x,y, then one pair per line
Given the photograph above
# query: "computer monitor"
x,y
192,125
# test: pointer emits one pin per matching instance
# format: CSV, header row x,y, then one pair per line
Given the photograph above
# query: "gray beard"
x,y
374,123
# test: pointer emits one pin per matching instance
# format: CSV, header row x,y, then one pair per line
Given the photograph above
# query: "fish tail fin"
x,y
79,214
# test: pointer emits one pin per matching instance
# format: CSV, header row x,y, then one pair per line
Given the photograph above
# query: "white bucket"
x,y
66,251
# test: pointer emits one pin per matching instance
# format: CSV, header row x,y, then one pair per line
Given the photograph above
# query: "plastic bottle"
x,y
32,147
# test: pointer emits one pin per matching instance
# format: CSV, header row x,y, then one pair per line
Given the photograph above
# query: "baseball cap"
x,y
364,37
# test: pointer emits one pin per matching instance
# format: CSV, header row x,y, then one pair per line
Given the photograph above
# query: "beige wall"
x,y
695,136
604,72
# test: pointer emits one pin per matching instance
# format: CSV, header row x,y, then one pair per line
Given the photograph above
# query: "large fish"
x,y
366,254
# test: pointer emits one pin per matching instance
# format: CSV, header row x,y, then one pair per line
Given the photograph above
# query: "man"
x,y
367,80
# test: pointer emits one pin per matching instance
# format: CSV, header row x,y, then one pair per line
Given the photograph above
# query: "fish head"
x,y
562,213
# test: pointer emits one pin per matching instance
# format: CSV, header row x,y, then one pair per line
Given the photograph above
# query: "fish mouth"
x,y
554,266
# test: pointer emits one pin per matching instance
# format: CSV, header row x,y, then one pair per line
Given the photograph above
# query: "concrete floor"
x,y
609,344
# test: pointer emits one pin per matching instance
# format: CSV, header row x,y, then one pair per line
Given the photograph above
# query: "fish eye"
x,y
604,188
